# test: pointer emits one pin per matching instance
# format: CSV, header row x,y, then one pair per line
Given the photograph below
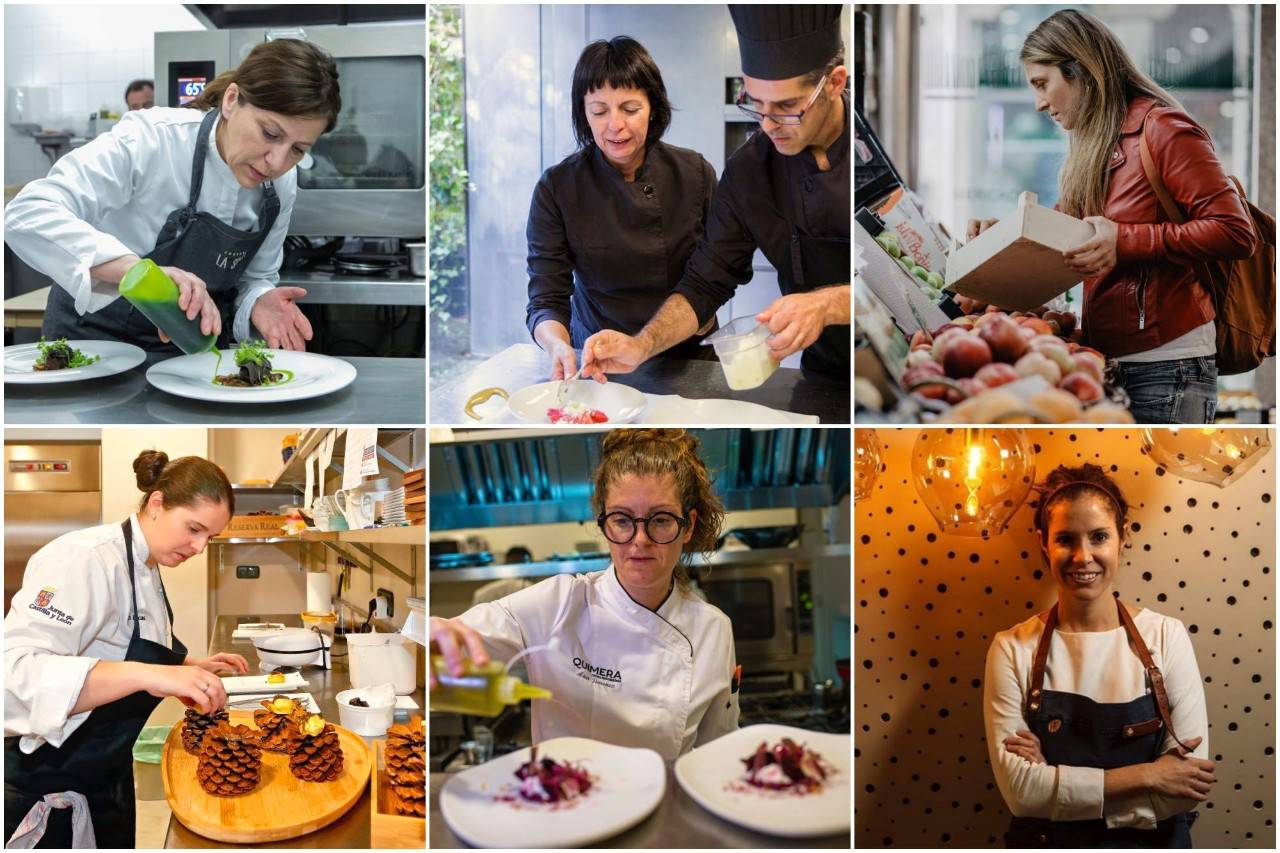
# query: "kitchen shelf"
x,y
252,540
294,473
411,535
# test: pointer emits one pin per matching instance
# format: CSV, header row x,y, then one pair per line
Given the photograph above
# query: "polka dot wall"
x,y
927,604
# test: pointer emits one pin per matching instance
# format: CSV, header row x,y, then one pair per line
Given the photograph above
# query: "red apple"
x,y
963,355
969,387
1089,363
1035,364
1085,387
921,355
921,337
932,370
1001,335
1040,326
939,341
996,374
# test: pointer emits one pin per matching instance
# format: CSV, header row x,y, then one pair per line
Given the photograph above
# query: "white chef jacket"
x,y
87,617
618,672
111,198
1101,666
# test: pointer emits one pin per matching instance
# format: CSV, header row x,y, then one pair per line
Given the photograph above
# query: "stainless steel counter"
x,y
351,831
678,822
389,391
338,289
548,568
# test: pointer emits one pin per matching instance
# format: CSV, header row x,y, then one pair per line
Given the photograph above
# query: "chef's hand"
x,y
611,351
195,301
564,361
450,637
1097,255
1025,744
977,226
194,686
796,321
280,320
221,662
1179,775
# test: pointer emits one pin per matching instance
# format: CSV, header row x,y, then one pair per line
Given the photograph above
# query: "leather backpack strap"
x,y
1153,672
1042,654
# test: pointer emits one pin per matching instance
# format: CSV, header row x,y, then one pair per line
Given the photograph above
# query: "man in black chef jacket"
x,y
785,191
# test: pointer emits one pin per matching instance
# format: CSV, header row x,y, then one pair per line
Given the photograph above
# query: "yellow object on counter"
x,y
275,678
481,691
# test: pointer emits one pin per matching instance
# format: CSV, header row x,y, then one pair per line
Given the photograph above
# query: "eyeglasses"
x,y
785,118
662,528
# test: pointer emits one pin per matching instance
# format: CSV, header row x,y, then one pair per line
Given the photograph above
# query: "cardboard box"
x,y
254,526
897,290
903,215
1017,263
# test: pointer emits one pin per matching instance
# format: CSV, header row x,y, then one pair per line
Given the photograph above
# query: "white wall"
x,y
73,60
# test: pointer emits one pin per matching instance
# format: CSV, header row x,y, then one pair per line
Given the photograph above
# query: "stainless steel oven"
x,y
366,177
771,609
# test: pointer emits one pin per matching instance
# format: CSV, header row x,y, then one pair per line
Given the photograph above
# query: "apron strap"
x,y
1153,672
197,162
128,553
1042,655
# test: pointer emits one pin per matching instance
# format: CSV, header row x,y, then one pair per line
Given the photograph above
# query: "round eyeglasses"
x,y
661,528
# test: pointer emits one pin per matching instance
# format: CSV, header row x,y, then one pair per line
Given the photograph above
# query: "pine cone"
x,y
315,753
230,761
196,725
278,714
406,757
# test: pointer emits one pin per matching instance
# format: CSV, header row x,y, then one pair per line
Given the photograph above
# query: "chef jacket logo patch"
x,y
598,674
41,605
229,259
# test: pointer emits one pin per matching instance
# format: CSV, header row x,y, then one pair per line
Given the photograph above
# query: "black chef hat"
x,y
778,42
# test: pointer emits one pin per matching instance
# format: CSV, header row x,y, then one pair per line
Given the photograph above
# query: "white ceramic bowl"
x,y
370,722
621,403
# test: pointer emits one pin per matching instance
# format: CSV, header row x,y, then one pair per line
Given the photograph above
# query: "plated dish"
x,y
306,375
52,362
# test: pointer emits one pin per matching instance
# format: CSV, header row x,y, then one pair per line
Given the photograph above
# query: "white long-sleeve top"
x,y
50,649
618,672
111,197
1101,666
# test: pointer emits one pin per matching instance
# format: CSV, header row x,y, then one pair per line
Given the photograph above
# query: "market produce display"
x,y
406,758
966,361
315,754
277,715
787,766
230,761
930,282
196,725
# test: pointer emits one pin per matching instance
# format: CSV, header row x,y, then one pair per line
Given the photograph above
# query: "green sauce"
x,y
288,377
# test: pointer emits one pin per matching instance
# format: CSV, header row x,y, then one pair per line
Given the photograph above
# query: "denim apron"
x,y
97,760
1076,731
191,240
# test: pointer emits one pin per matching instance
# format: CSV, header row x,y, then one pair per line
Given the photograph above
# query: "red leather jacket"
x,y
1153,294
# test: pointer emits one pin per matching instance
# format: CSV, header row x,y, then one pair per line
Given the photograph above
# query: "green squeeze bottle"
x,y
153,293
482,691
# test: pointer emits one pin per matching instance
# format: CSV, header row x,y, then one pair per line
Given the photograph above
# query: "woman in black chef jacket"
x,y
612,225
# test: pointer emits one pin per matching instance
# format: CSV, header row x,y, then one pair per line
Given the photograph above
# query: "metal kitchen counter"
x,y
548,568
677,822
351,831
521,365
388,391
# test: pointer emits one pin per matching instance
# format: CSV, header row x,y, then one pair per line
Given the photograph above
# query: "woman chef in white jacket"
x,y
89,651
206,193
636,660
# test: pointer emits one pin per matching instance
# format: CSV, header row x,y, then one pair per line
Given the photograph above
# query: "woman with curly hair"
x,y
636,658
1094,709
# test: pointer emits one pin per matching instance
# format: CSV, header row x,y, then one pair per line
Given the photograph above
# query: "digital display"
x,y
189,88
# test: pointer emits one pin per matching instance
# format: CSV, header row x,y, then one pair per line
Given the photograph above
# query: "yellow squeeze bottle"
x,y
481,691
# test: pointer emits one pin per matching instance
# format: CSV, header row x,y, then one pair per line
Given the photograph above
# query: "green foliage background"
x,y
447,204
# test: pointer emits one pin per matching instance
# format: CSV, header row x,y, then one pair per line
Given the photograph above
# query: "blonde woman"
x,y
1144,306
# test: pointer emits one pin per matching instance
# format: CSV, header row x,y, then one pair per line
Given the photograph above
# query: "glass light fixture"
x,y
867,459
972,480
1206,454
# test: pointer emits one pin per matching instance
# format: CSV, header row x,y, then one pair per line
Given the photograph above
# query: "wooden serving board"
x,y
386,828
282,806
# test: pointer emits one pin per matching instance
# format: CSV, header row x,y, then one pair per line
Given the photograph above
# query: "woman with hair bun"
x,y
1095,711
90,650
636,659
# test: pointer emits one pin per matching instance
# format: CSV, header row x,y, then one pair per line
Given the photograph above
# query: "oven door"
x,y
759,602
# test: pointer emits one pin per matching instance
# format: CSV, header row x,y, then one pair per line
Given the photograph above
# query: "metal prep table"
x,y
351,831
391,391
521,365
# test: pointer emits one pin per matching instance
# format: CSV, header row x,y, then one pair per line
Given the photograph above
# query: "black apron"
x,y
97,759
1076,731
191,240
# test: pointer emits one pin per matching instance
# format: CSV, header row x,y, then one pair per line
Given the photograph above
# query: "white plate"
x,y
621,403
258,684
629,784
117,357
708,773
192,376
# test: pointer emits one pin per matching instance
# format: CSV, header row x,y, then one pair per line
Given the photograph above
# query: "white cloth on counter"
x,y
618,672
1101,666
49,650
111,197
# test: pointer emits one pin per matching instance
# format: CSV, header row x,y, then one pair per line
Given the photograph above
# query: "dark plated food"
x,y
549,781
59,355
254,363
788,766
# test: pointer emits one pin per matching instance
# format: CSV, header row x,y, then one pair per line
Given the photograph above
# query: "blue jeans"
x,y
1184,391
